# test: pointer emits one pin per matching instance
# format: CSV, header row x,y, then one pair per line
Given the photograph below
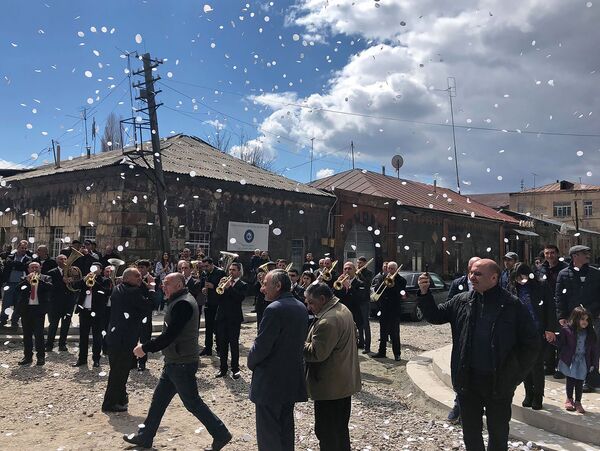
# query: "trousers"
x,y
275,427
331,424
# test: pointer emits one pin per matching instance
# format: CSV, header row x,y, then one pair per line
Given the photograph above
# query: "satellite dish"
x,y
397,162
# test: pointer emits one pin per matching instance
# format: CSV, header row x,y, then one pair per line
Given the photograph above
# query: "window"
x,y
417,256
562,209
199,240
587,208
297,254
437,282
30,237
56,236
88,233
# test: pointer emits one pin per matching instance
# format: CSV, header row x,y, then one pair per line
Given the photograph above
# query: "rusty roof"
x,y
570,186
182,154
409,193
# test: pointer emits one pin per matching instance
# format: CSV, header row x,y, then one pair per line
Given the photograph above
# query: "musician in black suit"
x,y
297,289
309,264
129,305
34,291
211,280
13,271
193,285
108,273
364,330
149,285
229,320
331,270
90,307
389,306
61,306
44,259
352,292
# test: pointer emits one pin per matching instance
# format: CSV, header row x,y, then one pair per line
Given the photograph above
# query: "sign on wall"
x,y
247,236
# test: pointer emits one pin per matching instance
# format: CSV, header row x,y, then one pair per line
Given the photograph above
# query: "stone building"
x,y
109,198
577,204
413,223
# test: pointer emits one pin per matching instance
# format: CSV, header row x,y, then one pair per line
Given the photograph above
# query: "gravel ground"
x,y
57,407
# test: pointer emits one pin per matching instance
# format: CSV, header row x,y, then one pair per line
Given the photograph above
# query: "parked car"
x,y
438,288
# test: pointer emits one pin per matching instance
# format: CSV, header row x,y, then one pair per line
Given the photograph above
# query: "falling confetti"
x,y
207,8
138,38
276,231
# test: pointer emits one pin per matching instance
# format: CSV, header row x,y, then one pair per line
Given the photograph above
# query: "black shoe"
x,y
25,361
454,415
96,364
588,388
379,355
219,444
137,439
80,363
366,351
536,403
236,374
548,371
528,400
397,358
558,375
41,361
62,348
115,408
360,346
221,374
206,351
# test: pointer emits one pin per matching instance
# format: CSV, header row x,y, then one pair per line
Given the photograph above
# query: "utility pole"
x,y
87,146
577,223
452,93
312,148
154,171
352,150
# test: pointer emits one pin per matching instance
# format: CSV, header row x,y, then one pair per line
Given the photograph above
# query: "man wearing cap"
x,y
510,260
579,284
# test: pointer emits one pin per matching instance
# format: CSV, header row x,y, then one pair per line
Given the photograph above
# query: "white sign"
x,y
247,236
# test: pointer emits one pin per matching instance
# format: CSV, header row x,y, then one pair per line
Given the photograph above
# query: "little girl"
x,y
578,355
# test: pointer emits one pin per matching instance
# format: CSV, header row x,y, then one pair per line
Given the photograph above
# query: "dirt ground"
x,y
57,407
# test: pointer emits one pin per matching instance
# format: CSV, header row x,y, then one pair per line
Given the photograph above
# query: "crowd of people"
x,y
509,326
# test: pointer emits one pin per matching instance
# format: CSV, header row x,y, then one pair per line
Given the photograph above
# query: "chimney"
x,y
383,170
435,186
88,152
58,156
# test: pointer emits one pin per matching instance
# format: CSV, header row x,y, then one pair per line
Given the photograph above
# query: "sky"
x,y
283,76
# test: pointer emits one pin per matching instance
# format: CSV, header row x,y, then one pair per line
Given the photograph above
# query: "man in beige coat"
x,y
332,369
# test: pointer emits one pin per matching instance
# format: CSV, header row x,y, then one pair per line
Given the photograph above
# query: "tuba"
x,y
115,263
71,271
228,258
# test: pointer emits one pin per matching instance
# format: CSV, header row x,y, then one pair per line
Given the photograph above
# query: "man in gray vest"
x,y
179,344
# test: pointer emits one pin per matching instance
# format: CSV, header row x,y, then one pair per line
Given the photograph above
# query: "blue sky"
x,y
370,72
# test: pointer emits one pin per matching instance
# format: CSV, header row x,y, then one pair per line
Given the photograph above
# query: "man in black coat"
x,y
297,289
129,305
389,306
229,320
364,330
44,259
34,292
309,264
15,268
579,284
213,275
494,345
277,364
61,306
352,292
90,307
149,286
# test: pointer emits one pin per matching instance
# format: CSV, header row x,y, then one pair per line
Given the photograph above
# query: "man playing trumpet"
x,y
231,292
351,291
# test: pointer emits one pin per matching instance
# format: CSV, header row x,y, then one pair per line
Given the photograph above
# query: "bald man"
x,y
494,346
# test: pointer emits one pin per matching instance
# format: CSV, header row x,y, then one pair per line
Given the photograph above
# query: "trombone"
x,y
388,282
339,283
288,267
221,287
359,270
326,273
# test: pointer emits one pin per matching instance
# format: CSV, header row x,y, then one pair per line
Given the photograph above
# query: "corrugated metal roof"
x,y
492,200
183,154
556,187
408,192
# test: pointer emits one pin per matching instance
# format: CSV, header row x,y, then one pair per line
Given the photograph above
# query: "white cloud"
x,y
4,164
325,172
502,82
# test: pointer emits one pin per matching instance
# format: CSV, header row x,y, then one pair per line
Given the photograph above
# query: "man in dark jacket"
x,y
44,259
213,275
61,306
179,344
129,305
579,284
494,345
34,292
15,268
277,364
389,306
547,274
364,330
229,320
352,292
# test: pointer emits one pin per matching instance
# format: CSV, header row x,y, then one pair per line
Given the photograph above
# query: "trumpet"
x,y
359,270
339,283
326,274
90,280
35,279
388,282
221,287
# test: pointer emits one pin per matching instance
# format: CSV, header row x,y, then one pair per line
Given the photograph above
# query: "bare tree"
x,y
255,154
111,138
221,138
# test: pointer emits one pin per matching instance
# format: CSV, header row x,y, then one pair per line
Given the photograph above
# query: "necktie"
x,y
33,292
